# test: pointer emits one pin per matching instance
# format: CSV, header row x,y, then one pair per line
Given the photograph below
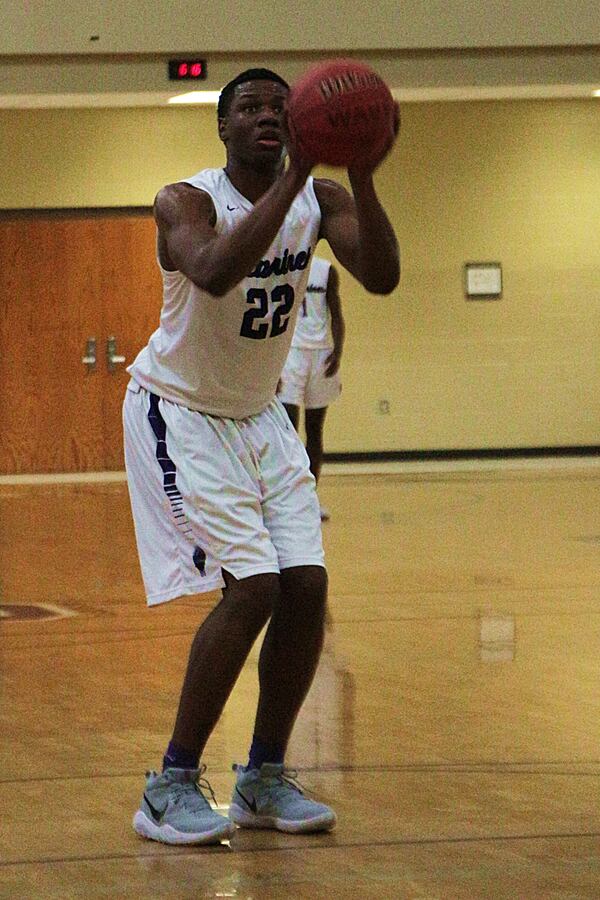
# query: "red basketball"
x,y
339,111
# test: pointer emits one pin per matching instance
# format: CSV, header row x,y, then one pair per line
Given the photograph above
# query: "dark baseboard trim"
x,y
75,212
482,453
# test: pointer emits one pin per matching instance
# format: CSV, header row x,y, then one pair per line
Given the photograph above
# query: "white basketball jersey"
x,y
224,355
312,330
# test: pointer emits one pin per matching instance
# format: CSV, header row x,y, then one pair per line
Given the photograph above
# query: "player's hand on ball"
x,y
297,161
341,109
364,166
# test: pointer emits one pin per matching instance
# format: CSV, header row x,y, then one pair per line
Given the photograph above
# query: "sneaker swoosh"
x,y
251,804
155,812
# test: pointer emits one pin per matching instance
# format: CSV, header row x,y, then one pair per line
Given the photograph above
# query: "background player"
x,y
310,377
219,481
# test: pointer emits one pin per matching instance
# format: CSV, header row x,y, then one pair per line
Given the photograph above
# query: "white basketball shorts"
x,y
210,494
303,380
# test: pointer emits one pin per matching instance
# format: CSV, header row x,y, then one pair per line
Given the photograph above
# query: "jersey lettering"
x,y
259,299
281,265
252,327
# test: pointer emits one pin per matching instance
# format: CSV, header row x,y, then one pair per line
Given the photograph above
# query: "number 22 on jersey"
x,y
255,324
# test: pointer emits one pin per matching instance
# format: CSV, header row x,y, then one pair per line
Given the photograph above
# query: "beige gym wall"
x,y
135,26
512,181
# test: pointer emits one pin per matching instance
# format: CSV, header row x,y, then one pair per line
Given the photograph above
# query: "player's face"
x,y
253,126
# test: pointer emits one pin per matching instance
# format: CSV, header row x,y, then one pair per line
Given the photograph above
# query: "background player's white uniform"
x,y
303,380
218,477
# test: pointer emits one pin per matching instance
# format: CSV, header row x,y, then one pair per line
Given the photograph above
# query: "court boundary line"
x,y
367,464
470,767
225,848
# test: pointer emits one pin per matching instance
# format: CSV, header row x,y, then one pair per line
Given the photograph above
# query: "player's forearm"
x,y
378,251
222,263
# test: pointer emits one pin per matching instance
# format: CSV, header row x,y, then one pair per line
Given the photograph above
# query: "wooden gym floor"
x,y
454,722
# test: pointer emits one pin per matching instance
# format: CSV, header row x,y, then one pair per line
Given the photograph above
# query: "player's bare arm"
x,y
188,241
185,218
360,234
357,227
338,327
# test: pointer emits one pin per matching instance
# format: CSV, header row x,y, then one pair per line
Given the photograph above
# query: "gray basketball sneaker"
x,y
175,810
270,797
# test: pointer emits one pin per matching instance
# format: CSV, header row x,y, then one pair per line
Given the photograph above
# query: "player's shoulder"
x,y
330,194
180,191
179,200
328,187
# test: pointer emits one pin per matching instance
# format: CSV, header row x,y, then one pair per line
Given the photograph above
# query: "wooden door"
x,y
65,278
131,300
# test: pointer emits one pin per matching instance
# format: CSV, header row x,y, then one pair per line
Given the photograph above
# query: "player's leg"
x,y
180,469
175,807
218,653
321,390
314,420
263,796
293,412
290,652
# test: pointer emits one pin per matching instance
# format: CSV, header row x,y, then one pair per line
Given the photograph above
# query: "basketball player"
x,y
310,377
220,486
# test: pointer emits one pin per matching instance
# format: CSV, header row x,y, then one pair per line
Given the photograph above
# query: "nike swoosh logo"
x,y
155,812
231,208
250,804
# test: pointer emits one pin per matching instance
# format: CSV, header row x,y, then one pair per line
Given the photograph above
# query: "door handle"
x,y
89,359
112,357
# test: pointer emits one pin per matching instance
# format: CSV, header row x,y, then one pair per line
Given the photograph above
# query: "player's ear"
x,y
222,126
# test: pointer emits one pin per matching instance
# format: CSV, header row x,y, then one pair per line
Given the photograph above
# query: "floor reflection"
x,y
497,637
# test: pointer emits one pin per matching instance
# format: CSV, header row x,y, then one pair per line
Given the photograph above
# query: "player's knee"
x,y
306,588
252,599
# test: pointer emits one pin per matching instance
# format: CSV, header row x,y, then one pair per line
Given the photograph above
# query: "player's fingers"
x,y
293,150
